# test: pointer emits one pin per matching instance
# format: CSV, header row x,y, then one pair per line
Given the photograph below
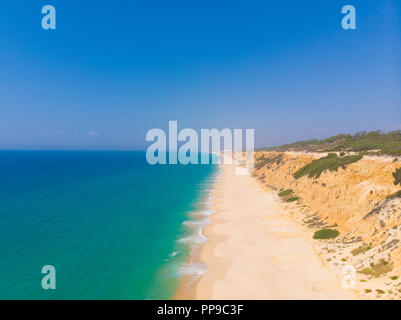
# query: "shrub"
x,y
361,249
331,162
326,234
397,176
378,269
285,193
292,199
263,161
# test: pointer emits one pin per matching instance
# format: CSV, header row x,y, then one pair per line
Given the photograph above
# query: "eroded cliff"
x,y
360,200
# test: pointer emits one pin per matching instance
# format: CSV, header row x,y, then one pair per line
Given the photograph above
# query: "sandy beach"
x,y
255,250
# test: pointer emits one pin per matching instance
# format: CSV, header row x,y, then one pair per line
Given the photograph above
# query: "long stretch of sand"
x,y
255,250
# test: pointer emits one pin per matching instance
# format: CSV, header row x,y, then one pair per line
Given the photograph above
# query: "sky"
x,y
112,70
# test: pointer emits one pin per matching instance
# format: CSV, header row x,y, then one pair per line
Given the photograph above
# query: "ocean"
x,y
113,226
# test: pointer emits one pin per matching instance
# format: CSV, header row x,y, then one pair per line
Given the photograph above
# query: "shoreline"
x,y
255,250
193,268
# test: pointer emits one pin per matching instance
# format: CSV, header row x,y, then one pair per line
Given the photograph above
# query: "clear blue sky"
x,y
114,69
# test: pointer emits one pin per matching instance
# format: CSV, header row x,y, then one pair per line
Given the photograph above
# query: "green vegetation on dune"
x,y
285,193
331,162
267,161
397,176
381,143
288,195
361,249
326,234
378,269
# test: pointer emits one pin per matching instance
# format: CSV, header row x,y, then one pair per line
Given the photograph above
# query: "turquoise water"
x,y
113,226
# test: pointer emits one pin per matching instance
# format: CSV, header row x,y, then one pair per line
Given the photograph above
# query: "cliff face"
x,y
353,199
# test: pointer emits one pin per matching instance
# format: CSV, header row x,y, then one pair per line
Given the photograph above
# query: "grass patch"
x,y
361,249
326,234
292,199
394,277
378,269
285,193
397,176
331,162
288,195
